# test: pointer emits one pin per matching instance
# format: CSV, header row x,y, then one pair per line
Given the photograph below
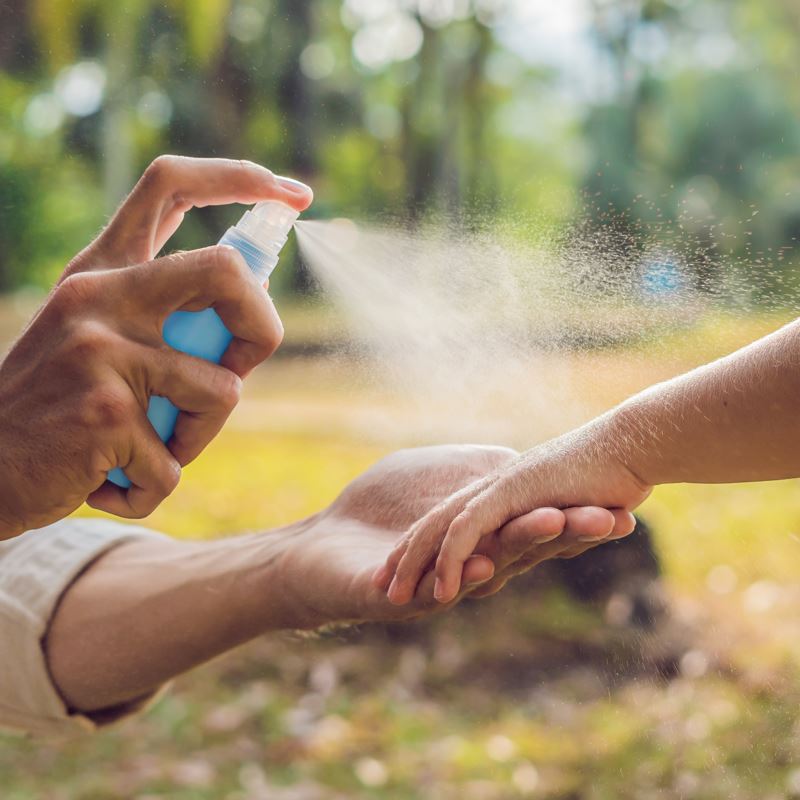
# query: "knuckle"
x,y
163,482
88,340
278,333
271,339
142,507
76,290
100,460
160,177
228,389
251,166
223,271
228,262
167,480
106,407
160,167
459,527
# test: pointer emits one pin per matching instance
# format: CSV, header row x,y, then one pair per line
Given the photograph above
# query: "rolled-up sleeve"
x,y
35,571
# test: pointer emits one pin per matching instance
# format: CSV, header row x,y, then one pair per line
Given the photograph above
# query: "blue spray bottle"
x,y
258,236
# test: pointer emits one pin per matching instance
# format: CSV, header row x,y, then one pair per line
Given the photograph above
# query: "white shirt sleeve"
x,y
35,570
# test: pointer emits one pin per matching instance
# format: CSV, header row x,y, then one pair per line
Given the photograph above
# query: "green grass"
x,y
525,695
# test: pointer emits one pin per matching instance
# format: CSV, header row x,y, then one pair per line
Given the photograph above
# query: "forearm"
x,y
733,420
150,610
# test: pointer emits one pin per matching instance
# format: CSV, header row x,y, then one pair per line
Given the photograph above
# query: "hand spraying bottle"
x,y
258,236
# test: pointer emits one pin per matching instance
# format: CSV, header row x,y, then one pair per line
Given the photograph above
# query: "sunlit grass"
x,y
256,480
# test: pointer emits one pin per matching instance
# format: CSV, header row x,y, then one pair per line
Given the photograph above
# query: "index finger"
x,y
172,185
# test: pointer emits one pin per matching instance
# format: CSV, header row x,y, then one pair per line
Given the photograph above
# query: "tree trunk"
x,y
17,48
116,133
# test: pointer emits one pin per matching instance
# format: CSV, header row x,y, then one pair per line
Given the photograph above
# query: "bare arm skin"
x,y
735,419
151,609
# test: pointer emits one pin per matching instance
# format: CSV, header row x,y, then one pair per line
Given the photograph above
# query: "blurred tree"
x,y
685,151
61,24
415,107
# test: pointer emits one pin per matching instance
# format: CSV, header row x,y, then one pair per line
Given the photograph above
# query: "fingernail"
x,y
588,539
392,592
438,590
545,539
293,185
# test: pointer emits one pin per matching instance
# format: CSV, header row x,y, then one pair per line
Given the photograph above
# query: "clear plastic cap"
x,y
268,224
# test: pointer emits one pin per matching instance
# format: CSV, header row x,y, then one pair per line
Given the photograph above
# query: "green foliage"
x,y
49,198
691,141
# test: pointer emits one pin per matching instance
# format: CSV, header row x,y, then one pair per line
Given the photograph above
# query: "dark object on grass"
x,y
621,576
526,640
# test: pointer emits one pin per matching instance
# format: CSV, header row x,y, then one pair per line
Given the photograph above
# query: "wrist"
x,y
621,436
304,589
271,584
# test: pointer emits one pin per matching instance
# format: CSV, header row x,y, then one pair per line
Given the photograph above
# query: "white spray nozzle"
x,y
268,224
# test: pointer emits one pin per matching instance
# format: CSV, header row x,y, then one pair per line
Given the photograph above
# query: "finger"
x,y
422,604
513,543
422,543
584,528
214,277
518,547
172,185
589,523
489,511
243,356
528,532
624,523
516,538
382,576
459,542
205,393
477,571
152,469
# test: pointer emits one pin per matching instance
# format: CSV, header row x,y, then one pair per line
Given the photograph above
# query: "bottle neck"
x,y
261,261
267,224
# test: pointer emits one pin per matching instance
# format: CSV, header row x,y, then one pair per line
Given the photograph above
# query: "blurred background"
x,y
668,670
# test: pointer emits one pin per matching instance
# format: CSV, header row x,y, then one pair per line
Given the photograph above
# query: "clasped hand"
x,y
578,469
331,571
